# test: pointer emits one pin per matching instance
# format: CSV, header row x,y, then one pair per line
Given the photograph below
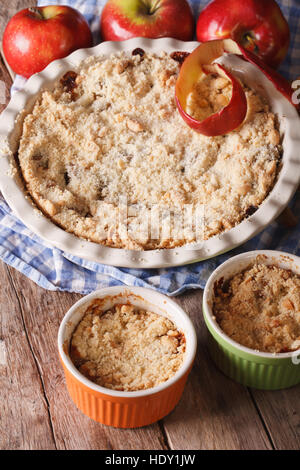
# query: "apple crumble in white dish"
x,y
113,131
106,136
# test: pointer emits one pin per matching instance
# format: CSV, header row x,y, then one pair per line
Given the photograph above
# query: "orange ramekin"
x,y
126,409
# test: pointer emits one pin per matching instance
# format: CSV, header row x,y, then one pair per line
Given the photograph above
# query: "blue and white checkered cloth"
x,y
55,270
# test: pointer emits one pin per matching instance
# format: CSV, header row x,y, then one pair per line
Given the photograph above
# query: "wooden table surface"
x,y
37,413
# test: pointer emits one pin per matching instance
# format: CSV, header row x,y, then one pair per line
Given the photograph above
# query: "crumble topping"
x,y
209,96
107,145
260,308
126,348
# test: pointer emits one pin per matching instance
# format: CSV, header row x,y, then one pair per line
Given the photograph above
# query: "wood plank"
x,y
281,413
24,422
215,412
42,313
10,71
5,84
9,7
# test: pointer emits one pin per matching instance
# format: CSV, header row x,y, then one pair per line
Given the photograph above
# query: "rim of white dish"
x,y
283,259
156,299
53,235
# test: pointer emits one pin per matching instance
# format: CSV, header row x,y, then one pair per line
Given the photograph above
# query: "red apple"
x,y
125,19
36,36
257,25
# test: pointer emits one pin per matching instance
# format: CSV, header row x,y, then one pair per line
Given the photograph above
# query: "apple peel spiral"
x,y
202,61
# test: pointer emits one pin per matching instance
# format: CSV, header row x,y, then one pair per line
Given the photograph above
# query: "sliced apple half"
x,y
232,115
195,66
229,117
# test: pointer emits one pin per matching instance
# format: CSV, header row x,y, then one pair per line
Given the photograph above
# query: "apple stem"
x,y
250,43
153,7
37,12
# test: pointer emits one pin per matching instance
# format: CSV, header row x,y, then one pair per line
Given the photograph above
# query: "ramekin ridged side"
x,y
126,409
266,371
124,412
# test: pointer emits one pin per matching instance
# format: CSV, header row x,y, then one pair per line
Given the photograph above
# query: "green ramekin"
x,y
266,371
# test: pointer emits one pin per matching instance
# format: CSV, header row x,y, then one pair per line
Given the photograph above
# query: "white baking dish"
x,y
23,207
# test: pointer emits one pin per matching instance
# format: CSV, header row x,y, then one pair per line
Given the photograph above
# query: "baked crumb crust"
x,y
109,137
260,308
126,348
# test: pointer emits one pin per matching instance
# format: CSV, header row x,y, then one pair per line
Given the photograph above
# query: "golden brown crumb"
x,y
134,126
126,348
209,96
260,308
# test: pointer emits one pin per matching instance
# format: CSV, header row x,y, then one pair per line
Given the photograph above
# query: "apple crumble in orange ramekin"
x,y
126,348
